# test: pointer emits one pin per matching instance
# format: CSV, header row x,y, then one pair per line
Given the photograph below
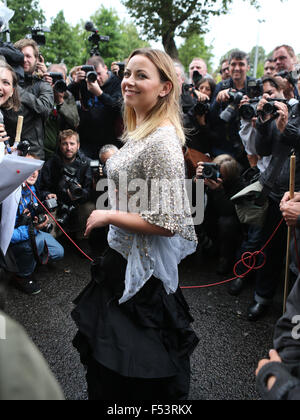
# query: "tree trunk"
x,y
169,44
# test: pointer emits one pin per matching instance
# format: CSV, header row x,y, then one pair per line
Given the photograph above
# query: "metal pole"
x,y
8,32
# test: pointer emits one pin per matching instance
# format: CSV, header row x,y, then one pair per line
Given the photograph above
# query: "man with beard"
x,y
67,178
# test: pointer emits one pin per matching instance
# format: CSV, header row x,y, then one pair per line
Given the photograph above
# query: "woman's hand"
x,y
283,118
98,219
211,184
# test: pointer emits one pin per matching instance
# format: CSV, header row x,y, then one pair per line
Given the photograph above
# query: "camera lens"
x,y
92,77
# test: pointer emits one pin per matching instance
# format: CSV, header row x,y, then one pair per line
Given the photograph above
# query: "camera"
x,y
59,83
211,171
39,211
197,77
38,35
231,111
64,214
95,39
249,111
23,148
91,73
71,183
270,107
255,88
292,77
202,108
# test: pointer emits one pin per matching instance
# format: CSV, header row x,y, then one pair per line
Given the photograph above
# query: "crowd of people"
x,y
155,122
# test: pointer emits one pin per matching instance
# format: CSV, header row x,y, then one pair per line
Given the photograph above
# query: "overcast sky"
x,y
239,29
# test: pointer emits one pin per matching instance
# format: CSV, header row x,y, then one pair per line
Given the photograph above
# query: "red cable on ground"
x,y
245,257
57,224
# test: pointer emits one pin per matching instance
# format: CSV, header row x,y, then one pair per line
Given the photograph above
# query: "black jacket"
x,y
52,174
287,344
100,117
36,104
269,141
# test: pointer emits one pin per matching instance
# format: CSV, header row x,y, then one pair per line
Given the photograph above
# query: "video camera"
x,y
38,35
59,83
95,39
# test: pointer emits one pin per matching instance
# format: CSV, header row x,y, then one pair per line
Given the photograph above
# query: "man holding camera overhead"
x,y
99,92
36,97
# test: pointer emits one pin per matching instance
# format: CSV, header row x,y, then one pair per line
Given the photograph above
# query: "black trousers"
x,y
268,277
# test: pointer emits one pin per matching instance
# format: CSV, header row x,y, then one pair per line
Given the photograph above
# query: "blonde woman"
x,y
134,324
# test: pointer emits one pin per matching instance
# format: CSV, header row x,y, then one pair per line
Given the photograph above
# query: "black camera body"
x,y
91,73
291,76
71,183
211,171
249,111
197,77
255,88
270,108
231,111
23,148
202,108
59,83
64,213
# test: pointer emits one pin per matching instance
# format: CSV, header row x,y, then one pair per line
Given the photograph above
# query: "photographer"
x,y
277,136
224,109
222,180
200,133
30,244
64,114
99,92
285,61
67,178
36,98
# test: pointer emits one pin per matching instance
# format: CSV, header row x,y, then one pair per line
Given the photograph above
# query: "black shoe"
x,y
27,285
257,311
236,286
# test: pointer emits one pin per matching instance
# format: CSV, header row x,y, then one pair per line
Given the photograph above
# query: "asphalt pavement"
x,y
224,363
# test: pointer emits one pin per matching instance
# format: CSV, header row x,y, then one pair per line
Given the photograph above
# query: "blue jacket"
x,y
21,233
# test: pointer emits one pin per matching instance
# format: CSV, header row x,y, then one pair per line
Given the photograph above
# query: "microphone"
x,y
6,142
89,26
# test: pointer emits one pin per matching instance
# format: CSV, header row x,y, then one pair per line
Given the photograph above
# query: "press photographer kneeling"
x,y
222,180
66,179
31,244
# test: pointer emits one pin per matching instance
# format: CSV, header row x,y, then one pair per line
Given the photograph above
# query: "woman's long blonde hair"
x,y
166,108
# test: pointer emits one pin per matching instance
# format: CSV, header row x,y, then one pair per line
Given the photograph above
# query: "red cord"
x,y
56,222
252,256
247,256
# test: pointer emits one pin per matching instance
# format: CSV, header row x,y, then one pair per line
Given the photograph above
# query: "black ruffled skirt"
x,y
144,340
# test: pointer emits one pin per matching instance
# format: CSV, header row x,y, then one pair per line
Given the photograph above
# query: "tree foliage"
x,y
195,46
166,19
64,43
27,14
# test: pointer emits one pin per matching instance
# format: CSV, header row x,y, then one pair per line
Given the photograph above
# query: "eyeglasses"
x,y
224,70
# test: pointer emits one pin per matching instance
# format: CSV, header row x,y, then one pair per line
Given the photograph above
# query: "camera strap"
x,y
42,259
